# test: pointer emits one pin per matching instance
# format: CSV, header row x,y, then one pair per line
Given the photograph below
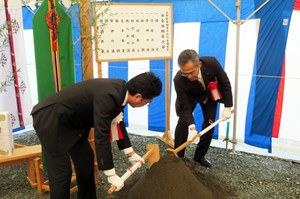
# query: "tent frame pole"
x,y
236,81
238,22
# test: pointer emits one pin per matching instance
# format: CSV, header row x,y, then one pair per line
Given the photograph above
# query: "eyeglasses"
x,y
193,73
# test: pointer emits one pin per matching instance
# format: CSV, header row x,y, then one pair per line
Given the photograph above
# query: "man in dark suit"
x,y
63,121
199,80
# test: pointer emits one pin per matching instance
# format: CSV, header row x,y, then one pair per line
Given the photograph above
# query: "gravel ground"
x,y
240,175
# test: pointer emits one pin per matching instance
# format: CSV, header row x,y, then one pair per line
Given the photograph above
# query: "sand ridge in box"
x,y
169,178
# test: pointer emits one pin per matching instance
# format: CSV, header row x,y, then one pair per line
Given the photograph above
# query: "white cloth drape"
x,y
8,102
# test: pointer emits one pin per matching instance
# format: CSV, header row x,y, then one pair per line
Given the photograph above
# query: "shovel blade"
x,y
155,156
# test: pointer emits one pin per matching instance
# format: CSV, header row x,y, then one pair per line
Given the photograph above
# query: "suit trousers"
x,y
181,132
60,171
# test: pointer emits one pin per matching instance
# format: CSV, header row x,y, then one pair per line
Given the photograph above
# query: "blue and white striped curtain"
x,y
265,40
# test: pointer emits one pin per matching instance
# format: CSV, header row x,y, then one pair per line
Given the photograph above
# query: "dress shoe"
x,y
203,161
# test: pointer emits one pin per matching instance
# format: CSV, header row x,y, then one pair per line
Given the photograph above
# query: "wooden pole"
x,y
87,62
86,40
99,69
167,82
167,137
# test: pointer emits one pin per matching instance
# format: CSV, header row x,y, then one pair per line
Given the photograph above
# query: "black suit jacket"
x,y
63,118
189,93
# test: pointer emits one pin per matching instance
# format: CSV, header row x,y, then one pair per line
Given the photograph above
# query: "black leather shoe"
x,y
203,161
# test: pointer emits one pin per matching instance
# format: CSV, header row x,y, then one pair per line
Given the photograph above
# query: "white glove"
x,y
132,156
192,133
114,179
226,114
135,158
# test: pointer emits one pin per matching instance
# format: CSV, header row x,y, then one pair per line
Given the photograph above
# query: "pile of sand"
x,y
169,178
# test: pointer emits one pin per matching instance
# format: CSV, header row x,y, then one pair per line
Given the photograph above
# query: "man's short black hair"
x,y
147,84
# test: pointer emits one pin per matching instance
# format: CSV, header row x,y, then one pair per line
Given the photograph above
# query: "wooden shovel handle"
x,y
187,143
111,189
184,145
145,157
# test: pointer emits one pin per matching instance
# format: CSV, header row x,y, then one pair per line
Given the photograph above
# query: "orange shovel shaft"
x,y
146,156
111,189
187,143
184,145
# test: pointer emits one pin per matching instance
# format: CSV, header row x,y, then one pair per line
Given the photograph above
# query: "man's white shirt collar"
x,y
200,79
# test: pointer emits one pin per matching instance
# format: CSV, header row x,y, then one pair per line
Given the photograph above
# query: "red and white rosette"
x,y
214,90
115,130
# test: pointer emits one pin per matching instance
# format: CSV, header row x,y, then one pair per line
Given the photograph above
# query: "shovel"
x,y
187,143
152,156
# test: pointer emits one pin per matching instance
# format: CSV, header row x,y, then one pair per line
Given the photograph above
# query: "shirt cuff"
x,y
110,172
128,150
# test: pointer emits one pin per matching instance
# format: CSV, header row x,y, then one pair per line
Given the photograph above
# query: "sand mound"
x,y
169,178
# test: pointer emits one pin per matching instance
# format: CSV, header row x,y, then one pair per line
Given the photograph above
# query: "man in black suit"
x,y
199,80
63,121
